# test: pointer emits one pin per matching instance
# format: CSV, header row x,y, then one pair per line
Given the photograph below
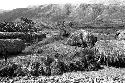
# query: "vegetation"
x,y
21,25
61,44
111,52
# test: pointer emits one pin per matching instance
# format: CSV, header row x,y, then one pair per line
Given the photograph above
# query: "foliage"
x,y
21,25
10,70
81,38
36,69
11,46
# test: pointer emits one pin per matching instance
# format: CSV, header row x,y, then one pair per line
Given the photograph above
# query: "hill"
x,y
98,14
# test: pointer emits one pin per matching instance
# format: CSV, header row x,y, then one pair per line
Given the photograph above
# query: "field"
x,y
52,60
63,44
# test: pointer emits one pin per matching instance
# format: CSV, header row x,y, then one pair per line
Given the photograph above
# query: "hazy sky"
x,y
12,4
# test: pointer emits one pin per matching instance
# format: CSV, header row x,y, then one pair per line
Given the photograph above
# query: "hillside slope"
x,y
81,13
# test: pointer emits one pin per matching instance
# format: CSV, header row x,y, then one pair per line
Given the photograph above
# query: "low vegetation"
x,y
111,52
11,46
57,52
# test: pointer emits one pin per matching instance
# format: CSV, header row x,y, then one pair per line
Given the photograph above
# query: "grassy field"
x,y
51,60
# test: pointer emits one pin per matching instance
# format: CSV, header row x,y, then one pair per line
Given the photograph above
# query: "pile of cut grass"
x,y
111,52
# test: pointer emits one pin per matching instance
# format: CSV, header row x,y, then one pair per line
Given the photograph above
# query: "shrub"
x,y
71,54
58,68
60,58
11,46
47,70
9,70
41,67
81,38
77,66
22,72
120,35
85,60
20,25
36,69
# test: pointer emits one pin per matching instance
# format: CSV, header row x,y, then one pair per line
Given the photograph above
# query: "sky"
x,y
13,4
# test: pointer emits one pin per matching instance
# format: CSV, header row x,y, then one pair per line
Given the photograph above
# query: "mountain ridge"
x,y
82,13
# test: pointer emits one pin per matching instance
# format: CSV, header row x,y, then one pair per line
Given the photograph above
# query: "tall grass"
x,y
111,52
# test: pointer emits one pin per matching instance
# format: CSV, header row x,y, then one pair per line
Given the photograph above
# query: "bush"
x,y
71,54
77,66
10,70
22,72
20,25
36,69
60,58
41,67
58,68
47,70
11,46
81,38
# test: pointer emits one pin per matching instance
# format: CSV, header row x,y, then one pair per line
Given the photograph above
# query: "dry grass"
x,y
55,59
52,57
111,51
31,49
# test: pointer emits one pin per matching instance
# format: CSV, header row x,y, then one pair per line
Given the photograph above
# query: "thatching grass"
x,y
111,52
